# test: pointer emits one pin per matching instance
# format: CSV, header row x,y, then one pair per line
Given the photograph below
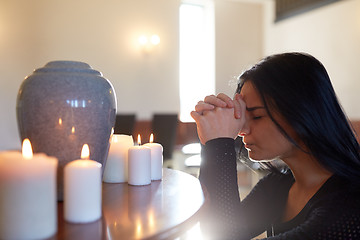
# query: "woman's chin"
x,y
257,158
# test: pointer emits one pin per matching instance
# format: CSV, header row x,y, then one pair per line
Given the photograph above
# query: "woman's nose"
x,y
245,130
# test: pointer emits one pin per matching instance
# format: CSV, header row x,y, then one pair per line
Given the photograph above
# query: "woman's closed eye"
x,y
257,117
256,113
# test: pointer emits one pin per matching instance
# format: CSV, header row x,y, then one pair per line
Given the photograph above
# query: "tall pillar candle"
x,y
28,206
82,190
139,165
156,159
116,167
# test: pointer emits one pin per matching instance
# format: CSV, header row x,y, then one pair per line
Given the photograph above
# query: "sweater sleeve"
x,y
228,217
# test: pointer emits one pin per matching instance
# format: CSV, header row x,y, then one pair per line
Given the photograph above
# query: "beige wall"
x,y
239,41
330,33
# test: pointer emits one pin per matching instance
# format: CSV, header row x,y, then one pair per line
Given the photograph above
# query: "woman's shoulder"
x,y
338,185
338,206
344,188
339,193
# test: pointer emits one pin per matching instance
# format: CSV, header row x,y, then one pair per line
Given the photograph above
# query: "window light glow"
x,y
197,55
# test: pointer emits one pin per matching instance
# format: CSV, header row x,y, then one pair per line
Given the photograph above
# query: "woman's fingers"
x,y
195,115
223,101
237,109
202,106
239,106
226,99
198,119
214,100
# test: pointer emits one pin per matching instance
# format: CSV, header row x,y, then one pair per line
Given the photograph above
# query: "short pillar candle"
x,y
28,195
82,185
116,167
139,165
156,158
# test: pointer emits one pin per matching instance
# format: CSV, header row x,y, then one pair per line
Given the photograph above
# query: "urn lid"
x,y
67,66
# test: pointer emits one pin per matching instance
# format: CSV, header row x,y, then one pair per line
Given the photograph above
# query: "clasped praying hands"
x,y
219,117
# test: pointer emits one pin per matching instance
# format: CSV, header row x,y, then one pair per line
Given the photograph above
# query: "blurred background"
x,y
162,56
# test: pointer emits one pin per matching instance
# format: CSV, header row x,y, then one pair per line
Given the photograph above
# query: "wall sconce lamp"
x,y
147,44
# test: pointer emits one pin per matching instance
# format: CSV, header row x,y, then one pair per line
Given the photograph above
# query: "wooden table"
x,y
162,210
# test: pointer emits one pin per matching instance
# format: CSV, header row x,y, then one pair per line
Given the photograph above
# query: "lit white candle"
x,y
139,165
156,158
82,189
116,167
28,206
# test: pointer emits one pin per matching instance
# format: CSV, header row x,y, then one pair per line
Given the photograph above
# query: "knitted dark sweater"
x,y
332,213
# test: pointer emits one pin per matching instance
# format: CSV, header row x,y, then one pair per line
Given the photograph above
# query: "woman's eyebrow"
x,y
250,109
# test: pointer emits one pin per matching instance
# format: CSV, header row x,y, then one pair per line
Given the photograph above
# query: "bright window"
x,y
197,54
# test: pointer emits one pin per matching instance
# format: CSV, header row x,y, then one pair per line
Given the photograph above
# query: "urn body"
x,y
64,105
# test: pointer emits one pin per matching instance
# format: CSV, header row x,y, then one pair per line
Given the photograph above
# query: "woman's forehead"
x,y
251,95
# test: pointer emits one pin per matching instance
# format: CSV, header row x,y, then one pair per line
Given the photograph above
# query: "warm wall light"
x,y
147,44
142,40
155,39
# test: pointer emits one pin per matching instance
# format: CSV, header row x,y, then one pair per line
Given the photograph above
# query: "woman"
x,y
285,107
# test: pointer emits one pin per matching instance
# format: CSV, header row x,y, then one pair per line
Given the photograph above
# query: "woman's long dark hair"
x,y
298,87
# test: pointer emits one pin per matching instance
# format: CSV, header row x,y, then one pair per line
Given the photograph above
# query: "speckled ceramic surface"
x,y
61,107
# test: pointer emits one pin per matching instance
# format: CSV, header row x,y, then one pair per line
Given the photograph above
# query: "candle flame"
x,y
27,152
60,121
85,152
73,130
151,138
139,140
